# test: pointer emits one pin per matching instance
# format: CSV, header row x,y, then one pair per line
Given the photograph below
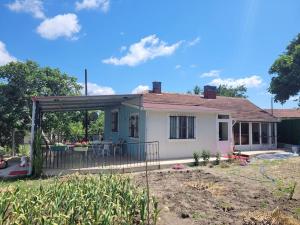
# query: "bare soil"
x,y
252,194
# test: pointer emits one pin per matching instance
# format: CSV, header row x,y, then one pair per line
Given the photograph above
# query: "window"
x,y
114,121
182,127
255,133
245,133
223,131
236,133
273,133
265,133
134,126
220,116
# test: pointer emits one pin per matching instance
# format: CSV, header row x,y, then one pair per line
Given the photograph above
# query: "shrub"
x,y
229,155
205,155
196,157
218,157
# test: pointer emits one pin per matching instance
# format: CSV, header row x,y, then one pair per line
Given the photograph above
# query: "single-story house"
x,y
185,123
180,123
288,128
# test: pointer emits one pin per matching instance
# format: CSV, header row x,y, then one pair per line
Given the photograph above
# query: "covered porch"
x,y
123,141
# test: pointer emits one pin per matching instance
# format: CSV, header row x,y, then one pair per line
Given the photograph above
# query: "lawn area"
x,y
231,194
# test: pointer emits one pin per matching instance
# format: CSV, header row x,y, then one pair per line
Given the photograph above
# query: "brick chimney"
x,y
156,87
210,92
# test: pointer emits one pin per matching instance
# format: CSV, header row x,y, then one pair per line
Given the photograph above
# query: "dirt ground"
x,y
234,195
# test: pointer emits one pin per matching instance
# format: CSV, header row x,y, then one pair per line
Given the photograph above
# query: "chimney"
x,y
156,87
210,92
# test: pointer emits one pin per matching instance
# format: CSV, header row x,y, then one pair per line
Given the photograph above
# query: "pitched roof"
x,y
240,108
285,113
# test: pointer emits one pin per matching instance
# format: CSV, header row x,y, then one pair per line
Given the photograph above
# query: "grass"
x,y
75,199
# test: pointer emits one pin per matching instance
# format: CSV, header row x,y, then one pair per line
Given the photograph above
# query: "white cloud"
x,y
123,48
212,73
194,41
193,66
33,7
177,67
95,89
252,81
65,25
93,4
146,49
5,57
140,89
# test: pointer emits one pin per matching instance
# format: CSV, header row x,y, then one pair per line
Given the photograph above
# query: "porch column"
x,y
32,136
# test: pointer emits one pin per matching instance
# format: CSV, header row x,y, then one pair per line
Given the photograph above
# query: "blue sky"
x,y
126,44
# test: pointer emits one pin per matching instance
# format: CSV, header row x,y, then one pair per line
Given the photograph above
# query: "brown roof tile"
x,y
240,108
285,113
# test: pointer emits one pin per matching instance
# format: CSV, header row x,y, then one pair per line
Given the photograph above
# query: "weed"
x,y
218,157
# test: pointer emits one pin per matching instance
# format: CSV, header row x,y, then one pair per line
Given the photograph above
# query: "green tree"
x,y
196,91
286,70
19,81
239,91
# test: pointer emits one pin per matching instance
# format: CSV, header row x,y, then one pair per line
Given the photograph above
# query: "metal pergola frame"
x,y
46,104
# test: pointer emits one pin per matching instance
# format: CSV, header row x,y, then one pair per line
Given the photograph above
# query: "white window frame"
x,y
177,127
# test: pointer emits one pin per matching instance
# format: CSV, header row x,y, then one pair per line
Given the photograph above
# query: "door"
x,y
224,136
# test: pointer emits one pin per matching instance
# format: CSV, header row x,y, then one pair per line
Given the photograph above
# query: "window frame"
x,y
136,125
114,123
187,127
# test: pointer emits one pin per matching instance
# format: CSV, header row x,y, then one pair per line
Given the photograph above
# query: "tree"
x,y
196,91
286,71
239,91
19,81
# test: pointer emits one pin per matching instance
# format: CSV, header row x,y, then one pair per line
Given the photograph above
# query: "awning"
x,y
77,103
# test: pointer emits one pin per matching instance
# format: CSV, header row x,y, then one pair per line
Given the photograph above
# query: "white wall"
x,y
157,129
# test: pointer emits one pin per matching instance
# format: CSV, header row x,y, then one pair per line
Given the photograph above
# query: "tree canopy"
x,y
285,82
19,81
239,91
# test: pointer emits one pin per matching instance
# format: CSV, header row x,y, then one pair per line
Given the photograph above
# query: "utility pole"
x,y
86,112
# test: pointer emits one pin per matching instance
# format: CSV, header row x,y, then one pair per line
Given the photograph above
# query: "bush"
x,y
229,155
205,155
218,158
196,157
103,199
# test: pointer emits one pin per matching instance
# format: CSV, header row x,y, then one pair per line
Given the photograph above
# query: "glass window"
x,y
264,133
220,116
114,121
245,133
273,133
236,133
182,127
173,127
134,126
223,131
191,127
255,133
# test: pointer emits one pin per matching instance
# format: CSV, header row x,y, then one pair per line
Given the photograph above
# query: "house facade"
x,y
185,123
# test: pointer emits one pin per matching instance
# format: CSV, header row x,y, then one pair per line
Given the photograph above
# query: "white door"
x,y
224,135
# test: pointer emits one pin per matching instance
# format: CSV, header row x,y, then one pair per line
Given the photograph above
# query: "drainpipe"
x,y
32,136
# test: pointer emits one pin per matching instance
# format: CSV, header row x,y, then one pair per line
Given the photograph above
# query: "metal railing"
x,y
101,155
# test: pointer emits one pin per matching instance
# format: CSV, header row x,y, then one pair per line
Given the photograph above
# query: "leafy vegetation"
x,y
205,155
196,157
218,158
286,68
103,199
227,91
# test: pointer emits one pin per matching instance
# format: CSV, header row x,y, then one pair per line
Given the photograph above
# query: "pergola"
x,y
46,104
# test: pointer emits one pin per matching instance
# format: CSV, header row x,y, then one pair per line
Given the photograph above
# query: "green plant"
x,y
218,158
156,210
205,155
230,157
75,199
196,157
286,188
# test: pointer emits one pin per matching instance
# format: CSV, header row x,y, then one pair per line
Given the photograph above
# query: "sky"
x,y
127,44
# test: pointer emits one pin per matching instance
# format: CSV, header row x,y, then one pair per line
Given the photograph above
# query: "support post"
x,y
32,137
86,112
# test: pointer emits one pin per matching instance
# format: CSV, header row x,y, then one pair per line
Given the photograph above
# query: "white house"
x,y
185,123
